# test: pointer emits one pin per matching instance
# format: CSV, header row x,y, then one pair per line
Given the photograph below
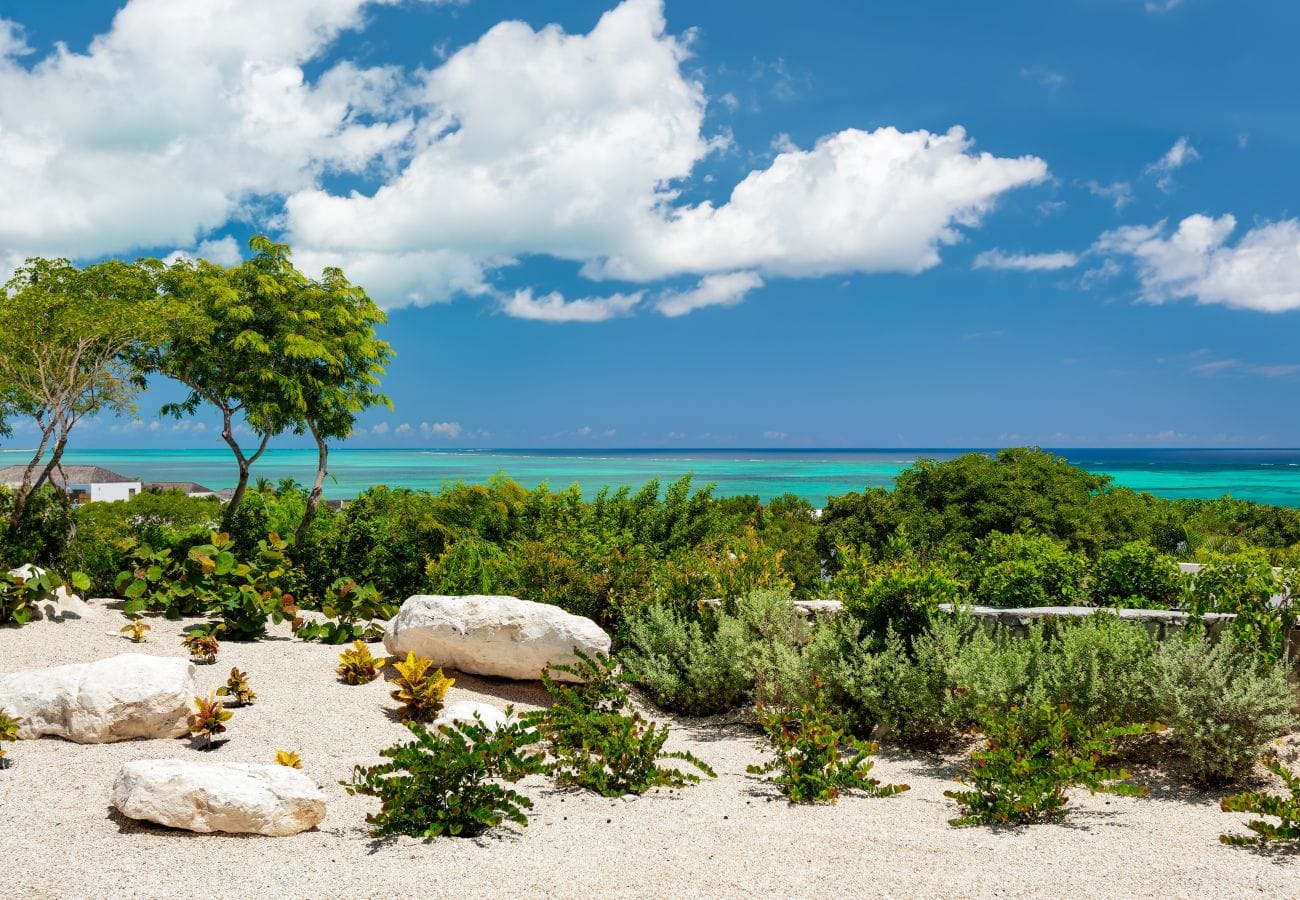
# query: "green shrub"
x,y
450,783
8,732
158,582
1244,584
1102,668
19,597
246,596
358,611
472,565
1223,703
1135,576
598,742
900,596
712,660
814,760
1284,808
1028,761
1016,570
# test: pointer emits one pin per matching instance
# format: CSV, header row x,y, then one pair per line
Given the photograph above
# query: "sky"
x,y
659,224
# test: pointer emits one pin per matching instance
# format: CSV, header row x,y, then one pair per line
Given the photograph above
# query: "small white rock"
x,y
239,798
463,711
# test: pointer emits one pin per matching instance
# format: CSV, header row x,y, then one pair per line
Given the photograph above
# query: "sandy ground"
x,y
732,836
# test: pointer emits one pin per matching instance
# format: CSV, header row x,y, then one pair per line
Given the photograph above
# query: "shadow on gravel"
x,y
127,825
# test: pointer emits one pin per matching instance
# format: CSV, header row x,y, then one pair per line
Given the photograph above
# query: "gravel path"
x,y
731,836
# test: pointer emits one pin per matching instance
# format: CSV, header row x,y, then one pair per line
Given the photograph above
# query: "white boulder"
x,y
240,798
464,711
502,636
116,699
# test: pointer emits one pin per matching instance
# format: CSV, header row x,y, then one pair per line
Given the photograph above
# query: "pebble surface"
x,y
728,837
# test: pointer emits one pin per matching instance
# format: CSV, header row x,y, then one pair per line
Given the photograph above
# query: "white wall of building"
x,y
106,493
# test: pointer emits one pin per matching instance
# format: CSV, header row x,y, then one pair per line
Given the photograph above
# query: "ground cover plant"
x,y
597,741
814,760
1029,760
1283,807
455,782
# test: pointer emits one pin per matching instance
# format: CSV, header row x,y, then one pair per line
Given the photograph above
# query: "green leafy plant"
x,y
451,783
208,719
20,595
814,759
357,666
420,691
1030,759
136,631
202,645
237,689
1245,584
157,582
358,610
598,742
1223,704
288,758
1285,808
245,596
8,732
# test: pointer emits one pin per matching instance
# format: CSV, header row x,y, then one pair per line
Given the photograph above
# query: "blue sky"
x,y
683,225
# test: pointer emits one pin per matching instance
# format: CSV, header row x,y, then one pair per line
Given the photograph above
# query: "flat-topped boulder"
x,y
115,699
239,798
492,635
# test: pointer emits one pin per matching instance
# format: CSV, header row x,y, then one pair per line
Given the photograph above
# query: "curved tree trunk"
x,y
245,464
313,499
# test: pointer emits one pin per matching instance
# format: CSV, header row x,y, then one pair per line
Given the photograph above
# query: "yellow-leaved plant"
x,y
136,630
418,690
209,719
8,732
357,666
288,758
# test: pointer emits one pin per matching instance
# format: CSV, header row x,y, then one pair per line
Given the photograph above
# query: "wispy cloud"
x,y
553,307
1177,156
1026,262
1221,366
1044,76
1119,193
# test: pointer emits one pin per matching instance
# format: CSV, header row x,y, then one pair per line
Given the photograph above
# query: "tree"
x,y
68,336
232,355
335,365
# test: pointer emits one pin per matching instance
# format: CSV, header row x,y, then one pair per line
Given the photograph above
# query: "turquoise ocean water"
x,y
1268,476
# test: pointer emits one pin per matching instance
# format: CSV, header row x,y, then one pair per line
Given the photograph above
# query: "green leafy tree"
x,y
67,341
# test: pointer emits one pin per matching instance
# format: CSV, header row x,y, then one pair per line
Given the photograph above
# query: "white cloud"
x,y
403,429
225,251
1159,6
713,290
1026,262
1260,272
177,117
381,428
1120,193
1177,156
186,115
440,429
1046,77
1220,366
775,435
553,307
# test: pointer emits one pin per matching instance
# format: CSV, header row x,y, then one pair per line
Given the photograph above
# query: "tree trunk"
x,y
25,489
313,499
245,464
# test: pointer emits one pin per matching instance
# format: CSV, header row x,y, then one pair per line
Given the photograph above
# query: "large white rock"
x,y
241,798
463,712
483,635
116,699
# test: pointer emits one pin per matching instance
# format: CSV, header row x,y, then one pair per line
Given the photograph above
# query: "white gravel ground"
x,y
59,836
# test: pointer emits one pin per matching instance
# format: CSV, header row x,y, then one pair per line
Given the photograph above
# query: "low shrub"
x,y
202,645
20,596
1285,808
358,612
1102,668
1028,761
1135,576
420,691
598,742
237,688
357,666
1223,703
1015,570
814,760
451,783
208,719
708,660
1244,584
900,595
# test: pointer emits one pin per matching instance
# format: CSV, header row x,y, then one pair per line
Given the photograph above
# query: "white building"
x,y
188,488
84,484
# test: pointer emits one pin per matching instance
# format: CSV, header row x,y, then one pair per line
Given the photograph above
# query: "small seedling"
x,y
237,689
418,690
357,666
209,719
288,758
136,630
203,646
8,732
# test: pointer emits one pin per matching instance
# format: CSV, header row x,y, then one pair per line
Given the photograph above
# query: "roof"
x,y
70,475
185,487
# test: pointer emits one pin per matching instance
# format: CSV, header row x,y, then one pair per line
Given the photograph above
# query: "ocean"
x,y
1268,476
